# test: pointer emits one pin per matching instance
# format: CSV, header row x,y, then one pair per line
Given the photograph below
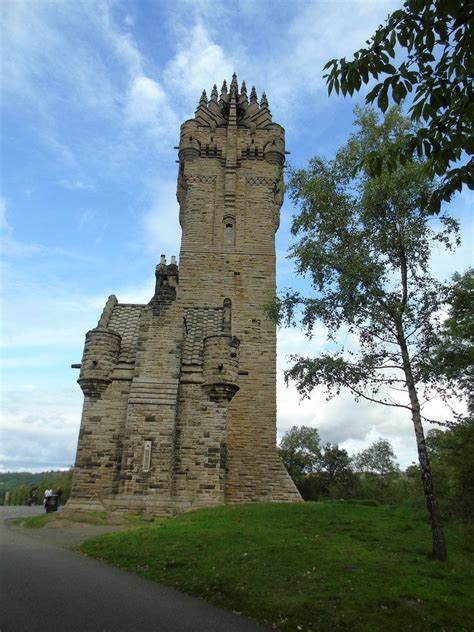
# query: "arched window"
x,y
229,229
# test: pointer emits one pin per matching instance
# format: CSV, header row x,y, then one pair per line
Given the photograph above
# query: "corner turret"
x,y
101,352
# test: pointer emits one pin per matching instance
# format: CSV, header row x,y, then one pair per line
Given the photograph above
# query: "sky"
x,y
92,95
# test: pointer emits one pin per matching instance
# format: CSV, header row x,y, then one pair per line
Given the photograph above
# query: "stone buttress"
x,y
180,394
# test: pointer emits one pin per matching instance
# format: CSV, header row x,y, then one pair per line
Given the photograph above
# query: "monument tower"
x,y
180,394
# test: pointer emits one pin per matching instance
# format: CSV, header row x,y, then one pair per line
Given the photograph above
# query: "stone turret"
x,y
101,352
221,361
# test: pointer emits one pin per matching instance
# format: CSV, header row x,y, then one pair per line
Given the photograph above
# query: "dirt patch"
x,y
66,534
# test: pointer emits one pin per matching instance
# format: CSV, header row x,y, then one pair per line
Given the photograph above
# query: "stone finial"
x,y
224,88
161,267
107,311
203,99
253,95
172,273
264,101
234,86
214,94
243,89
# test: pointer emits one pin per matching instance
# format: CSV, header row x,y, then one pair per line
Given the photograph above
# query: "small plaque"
x,y
147,456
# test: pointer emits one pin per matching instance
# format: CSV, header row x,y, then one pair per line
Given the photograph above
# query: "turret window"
x,y
229,233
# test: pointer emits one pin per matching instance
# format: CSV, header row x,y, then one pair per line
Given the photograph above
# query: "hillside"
x,y
316,566
18,484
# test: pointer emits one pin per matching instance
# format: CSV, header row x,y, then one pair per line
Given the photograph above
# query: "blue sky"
x,y
92,96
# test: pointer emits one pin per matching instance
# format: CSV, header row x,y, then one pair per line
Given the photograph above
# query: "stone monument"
x,y
180,394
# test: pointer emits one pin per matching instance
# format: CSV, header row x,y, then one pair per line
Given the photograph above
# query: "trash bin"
x,y
52,503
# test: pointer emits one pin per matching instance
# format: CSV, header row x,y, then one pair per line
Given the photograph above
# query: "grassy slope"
x,y
319,566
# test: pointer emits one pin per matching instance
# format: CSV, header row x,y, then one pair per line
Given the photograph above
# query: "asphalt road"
x,y
47,589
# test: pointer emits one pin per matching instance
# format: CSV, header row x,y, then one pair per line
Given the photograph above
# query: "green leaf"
x,y
430,40
382,100
389,69
373,93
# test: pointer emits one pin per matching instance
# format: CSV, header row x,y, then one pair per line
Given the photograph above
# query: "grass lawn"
x,y
313,566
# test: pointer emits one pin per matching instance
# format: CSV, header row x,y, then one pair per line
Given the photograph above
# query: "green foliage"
x,y
452,460
310,566
327,472
434,69
378,459
19,485
300,451
19,495
364,244
454,356
318,472
335,462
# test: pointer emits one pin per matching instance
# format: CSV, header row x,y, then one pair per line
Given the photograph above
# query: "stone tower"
x,y
180,394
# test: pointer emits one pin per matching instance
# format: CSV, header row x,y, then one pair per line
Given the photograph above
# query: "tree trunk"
x,y
439,544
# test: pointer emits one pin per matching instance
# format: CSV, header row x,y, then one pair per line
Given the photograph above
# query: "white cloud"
x,y
353,425
43,44
145,99
147,105
160,223
57,320
74,185
198,64
57,70
39,427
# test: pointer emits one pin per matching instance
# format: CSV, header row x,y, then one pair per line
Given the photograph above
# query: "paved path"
x,y
49,589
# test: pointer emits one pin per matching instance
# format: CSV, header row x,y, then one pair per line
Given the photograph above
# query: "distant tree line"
x,y
323,472
19,488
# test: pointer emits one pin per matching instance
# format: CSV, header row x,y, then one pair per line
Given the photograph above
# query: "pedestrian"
x,y
47,494
59,493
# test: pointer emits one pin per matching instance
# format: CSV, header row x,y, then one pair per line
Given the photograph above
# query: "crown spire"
x,y
234,86
232,106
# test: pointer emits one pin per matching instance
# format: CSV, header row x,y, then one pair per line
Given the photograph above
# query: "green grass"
x,y
314,566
